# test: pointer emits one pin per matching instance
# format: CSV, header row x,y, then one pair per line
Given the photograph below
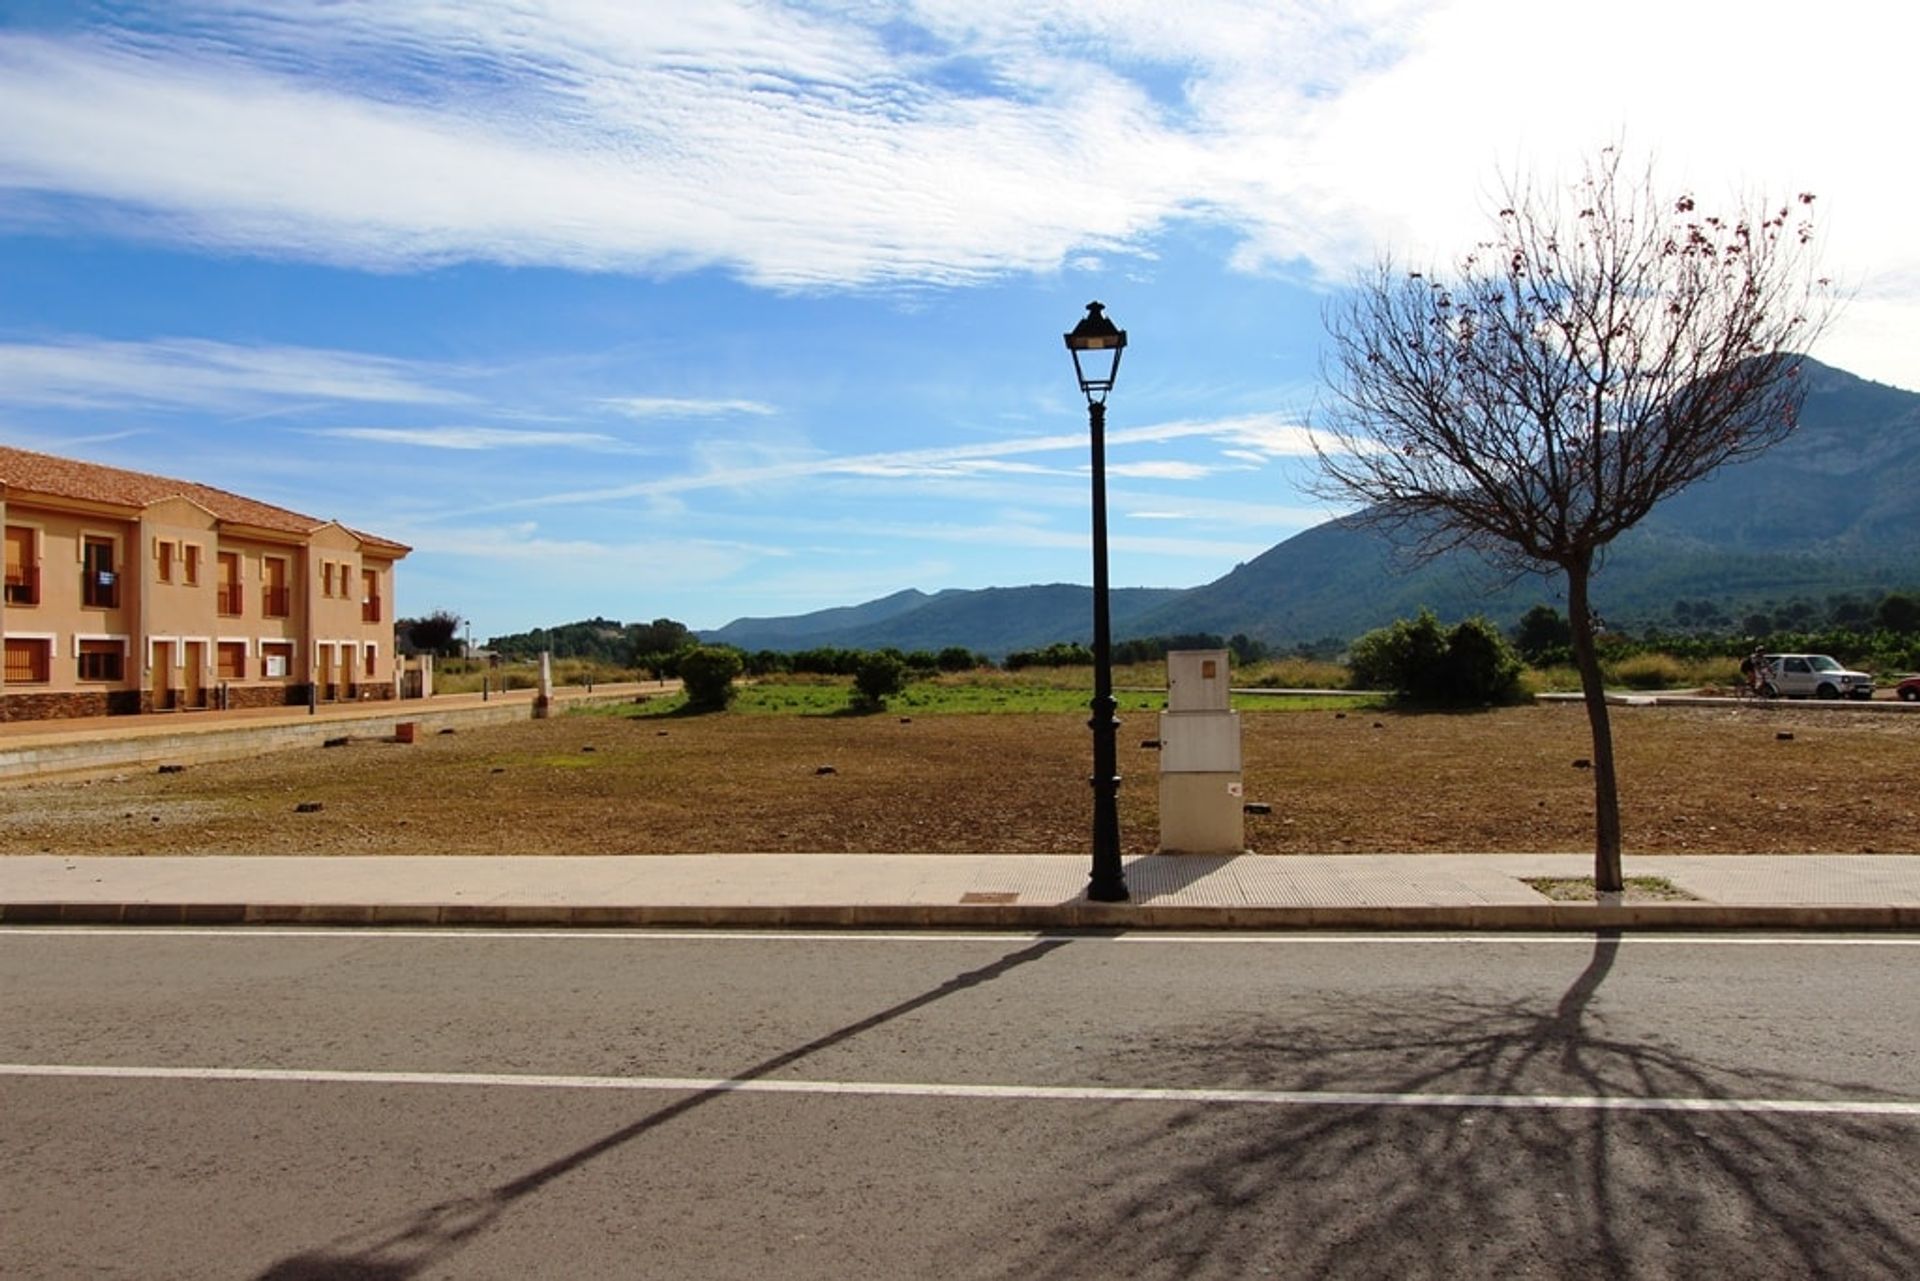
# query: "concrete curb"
x,y
1078,915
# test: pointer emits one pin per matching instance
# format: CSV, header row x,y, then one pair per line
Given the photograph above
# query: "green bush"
x,y
1470,666
878,676
1649,671
708,674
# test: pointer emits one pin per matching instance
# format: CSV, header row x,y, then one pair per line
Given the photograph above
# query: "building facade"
x,y
131,593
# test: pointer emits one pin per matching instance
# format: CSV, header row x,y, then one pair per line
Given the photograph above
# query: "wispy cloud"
x,y
191,373
675,407
1273,437
1161,469
831,145
472,438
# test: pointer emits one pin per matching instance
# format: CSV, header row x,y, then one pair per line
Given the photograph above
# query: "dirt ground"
x,y
1774,779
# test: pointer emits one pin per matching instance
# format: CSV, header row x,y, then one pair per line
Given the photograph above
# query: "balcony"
x,y
370,610
23,586
100,589
231,599
276,602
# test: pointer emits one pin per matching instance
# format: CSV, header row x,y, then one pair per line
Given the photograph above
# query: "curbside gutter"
x,y
1076,915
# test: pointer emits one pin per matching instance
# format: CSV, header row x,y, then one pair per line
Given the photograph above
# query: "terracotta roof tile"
x,y
25,470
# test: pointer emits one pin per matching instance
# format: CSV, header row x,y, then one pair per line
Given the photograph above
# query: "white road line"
x,y
1016,1093
454,934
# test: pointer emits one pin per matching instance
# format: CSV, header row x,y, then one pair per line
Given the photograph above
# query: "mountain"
x,y
995,620
1832,510
804,631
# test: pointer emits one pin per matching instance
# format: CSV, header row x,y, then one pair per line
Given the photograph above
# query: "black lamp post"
x,y
1096,346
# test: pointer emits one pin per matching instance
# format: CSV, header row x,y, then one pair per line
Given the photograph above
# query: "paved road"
x,y
256,1104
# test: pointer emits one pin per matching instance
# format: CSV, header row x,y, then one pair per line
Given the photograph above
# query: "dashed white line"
x,y
937,1090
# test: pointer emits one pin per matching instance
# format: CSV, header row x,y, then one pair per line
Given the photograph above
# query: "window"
x,y
163,553
190,565
28,660
275,602
99,583
229,588
369,596
326,578
230,660
373,658
102,660
276,659
23,568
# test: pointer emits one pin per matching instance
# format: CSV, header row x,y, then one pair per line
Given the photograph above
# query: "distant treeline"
x,y
1882,633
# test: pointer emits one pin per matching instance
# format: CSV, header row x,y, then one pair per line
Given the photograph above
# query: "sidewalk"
x,y
917,891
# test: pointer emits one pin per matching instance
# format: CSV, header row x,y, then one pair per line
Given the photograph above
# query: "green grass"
x,y
953,696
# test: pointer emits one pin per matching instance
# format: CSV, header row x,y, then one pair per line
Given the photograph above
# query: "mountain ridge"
x,y
1832,509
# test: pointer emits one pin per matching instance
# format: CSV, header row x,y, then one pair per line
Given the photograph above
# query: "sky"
x,y
643,308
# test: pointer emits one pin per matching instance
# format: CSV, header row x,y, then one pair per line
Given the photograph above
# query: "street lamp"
x,y
1096,346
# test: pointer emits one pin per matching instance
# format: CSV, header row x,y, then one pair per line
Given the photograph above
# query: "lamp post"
x,y
1096,346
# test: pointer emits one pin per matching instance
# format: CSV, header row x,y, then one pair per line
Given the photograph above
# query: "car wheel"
x,y
1768,691
1909,695
1826,691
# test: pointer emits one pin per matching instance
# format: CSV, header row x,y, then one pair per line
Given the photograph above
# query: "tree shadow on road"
x,y
409,1246
1380,1190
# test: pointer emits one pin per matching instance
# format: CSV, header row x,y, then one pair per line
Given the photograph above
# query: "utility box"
x,y
1201,797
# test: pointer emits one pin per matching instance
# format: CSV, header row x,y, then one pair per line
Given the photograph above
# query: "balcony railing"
x,y
231,599
370,610
23,586
100,589
276,602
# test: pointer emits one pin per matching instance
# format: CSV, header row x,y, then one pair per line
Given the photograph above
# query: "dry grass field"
x,y
1694,781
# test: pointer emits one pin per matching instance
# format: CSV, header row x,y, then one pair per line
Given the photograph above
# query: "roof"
x,y
30,472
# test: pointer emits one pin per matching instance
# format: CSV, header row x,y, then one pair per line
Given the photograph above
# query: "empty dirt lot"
x,y
1695,781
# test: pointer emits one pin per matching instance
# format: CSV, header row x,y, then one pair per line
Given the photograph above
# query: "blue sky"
x,y
709,309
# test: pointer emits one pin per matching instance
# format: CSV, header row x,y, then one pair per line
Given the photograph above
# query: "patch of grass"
x,y
953,696
1579,889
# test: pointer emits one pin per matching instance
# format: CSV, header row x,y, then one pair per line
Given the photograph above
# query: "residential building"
x,y
129,593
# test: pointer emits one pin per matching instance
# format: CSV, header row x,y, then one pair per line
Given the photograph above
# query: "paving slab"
x,y
917,890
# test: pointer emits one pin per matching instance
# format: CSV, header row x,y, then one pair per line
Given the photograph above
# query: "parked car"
x,y
1908,689
1812,676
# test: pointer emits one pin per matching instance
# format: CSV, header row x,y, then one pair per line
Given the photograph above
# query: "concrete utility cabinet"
x,y
1201,798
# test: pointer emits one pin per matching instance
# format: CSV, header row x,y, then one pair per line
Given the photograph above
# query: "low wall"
x,y
217,741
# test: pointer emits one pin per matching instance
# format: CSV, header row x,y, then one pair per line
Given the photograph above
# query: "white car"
x,y
1812,676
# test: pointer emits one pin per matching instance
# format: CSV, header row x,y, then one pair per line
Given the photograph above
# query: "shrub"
x,y
1470,666
878,676
708,674
1650,671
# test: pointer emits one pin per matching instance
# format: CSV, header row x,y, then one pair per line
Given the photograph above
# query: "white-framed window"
x,y
100,658
276,659
29,658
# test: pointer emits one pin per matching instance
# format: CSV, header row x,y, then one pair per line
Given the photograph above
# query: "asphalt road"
x,y
257,1104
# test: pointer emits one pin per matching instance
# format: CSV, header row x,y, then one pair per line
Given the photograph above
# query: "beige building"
x,y
134,593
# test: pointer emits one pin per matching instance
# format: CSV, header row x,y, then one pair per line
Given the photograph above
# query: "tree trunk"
x,y
1606,795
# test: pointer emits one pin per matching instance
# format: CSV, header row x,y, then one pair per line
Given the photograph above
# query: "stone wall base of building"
x,y
70,704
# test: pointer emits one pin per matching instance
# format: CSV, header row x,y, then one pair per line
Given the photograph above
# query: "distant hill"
x,y
1834,509
800,631
994,620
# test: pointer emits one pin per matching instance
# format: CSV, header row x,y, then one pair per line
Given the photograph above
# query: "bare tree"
x,y
1593,357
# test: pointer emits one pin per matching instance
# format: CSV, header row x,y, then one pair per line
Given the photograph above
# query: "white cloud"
x,y
471,438
175,373
674,407
815,146
1164,469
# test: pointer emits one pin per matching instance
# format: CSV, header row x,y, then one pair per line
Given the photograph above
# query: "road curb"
x,y
1545,917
